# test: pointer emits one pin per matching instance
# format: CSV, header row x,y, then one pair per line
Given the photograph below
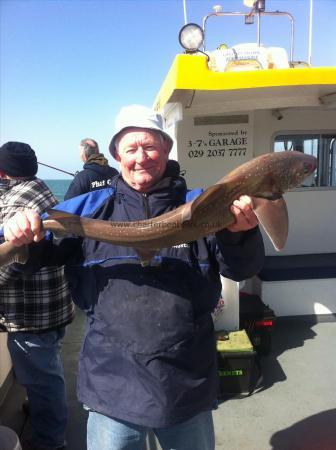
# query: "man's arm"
x,y
240,255
239,249
26,228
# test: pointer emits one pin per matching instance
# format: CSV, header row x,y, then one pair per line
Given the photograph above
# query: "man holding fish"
x,y
148,359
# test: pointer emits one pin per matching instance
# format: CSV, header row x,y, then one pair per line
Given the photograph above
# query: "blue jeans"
x,y
38,367
104,433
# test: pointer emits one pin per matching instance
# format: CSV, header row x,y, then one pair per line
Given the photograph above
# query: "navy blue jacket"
x,y
93,176
148,356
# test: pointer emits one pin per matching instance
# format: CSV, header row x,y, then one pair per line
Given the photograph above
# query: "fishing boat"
x,y
227,105
224,106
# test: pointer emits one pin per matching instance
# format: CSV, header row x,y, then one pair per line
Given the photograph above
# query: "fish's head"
x,y
278,172
270,174
294,167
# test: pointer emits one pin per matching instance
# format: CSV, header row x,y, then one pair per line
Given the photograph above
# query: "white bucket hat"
x,y
138,116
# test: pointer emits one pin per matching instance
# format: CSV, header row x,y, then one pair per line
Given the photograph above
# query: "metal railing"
x,y
248,15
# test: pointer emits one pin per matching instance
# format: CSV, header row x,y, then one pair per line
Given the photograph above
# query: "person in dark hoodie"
x,y
148,360
96,173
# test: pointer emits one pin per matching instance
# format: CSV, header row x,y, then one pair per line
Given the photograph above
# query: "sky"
x,y
68,66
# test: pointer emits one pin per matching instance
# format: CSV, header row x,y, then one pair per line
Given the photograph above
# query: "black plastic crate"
x,y
258,320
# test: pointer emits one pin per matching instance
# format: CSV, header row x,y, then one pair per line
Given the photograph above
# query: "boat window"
x,y
322,146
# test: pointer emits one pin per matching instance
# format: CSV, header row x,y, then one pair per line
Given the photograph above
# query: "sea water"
x,y
58,187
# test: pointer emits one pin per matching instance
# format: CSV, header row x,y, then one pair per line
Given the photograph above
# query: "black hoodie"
x,y
96,174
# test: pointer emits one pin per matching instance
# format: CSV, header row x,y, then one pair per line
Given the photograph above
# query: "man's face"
x,y
143,156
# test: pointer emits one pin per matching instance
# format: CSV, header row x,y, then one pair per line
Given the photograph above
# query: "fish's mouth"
x,y
309,168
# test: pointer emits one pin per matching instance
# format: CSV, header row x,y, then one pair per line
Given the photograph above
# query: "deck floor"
x,y
293,409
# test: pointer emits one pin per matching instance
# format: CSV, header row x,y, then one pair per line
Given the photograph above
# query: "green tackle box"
x,y
235,355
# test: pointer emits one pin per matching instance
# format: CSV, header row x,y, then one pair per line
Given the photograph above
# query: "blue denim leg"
x,y
111,434
37,365
196,433
104,433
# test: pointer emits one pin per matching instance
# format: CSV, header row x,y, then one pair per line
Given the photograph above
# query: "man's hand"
x,y
23,228
242,209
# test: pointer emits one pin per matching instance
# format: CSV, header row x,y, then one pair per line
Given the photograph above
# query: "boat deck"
x,y
294,407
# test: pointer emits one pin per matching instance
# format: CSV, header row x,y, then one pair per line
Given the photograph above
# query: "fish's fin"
x,y
200,203
273,217
56,214
187,211
10,254
145,256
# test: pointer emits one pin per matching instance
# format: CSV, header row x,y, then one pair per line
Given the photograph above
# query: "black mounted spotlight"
x,y
191,37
